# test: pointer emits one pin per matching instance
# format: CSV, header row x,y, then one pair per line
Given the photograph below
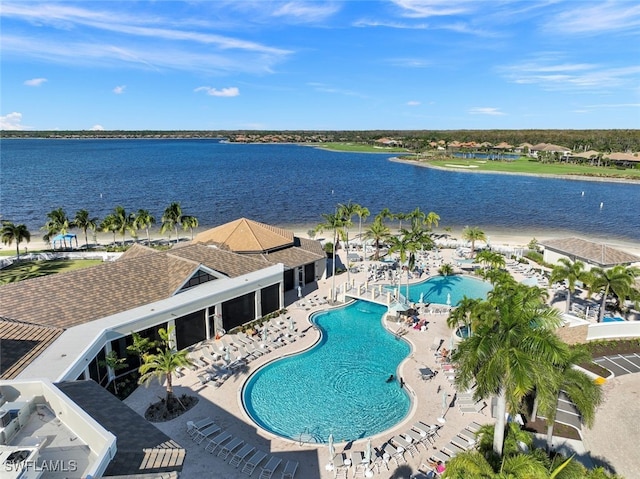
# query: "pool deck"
x,y
223,404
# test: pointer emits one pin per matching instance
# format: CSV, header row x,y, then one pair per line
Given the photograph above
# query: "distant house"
x,y
592,254
563,151
623,159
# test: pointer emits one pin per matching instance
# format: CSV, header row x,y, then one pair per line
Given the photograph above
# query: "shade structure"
x,y
397,307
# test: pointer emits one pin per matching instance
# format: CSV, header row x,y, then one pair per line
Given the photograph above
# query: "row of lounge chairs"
x,y
241,455
462,441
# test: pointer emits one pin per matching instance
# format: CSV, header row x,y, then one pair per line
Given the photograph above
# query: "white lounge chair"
x,y
270,467
202,434
241,455
477,408
253,462
229,447
473,427
290,469
217,441
194,426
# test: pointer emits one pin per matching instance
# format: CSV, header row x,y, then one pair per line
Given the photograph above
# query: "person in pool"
x,y
390,378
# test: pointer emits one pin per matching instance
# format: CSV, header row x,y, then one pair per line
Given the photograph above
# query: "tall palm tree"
x,y
123,221
189,223
417,218
473,234
581,390
144,219
385,214
363,213
84,222
432,219
171,218
401,217
378,232
335,223
57,223
406,247
491,258
109,224
461,315
18,233
570,272
618,281
346,212
513,340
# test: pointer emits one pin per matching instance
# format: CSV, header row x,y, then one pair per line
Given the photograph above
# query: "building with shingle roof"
x,y
591,253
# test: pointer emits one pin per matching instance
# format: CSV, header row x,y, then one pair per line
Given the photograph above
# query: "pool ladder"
x,y
307,436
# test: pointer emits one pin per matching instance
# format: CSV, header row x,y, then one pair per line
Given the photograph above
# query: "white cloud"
x,y
597,18
35,81
413,103
480,110
119,89
435,8
97,128
308,12
226,92
12,122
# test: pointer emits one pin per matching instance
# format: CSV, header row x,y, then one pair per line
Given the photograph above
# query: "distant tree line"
x,y
417,140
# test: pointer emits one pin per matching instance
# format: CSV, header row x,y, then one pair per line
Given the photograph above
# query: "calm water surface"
x,y
291,185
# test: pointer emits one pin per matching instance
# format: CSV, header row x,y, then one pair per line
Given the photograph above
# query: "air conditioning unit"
x,y
5,418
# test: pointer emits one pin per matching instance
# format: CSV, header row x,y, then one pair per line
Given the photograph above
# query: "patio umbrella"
x,y
448,299
332,449
368,452
397,307
421,301
227,356
445,405
265,334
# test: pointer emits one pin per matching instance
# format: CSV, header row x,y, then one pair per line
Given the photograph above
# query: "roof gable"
x,y
594,253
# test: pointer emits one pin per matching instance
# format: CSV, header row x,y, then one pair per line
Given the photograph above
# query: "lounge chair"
x,y
461,443
229,447
452,450
290,469
396,454
478,407
241,455
194,426
440,456
468,436
403,443
217,441
417,438
270,467
253,462
202,434
473,427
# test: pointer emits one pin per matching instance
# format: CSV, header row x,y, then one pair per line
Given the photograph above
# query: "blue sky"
x,y
321,65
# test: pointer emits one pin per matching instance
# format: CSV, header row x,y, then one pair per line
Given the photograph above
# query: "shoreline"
x,y
497,237
607,179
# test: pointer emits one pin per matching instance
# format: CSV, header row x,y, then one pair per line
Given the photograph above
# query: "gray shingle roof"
x,y
595,253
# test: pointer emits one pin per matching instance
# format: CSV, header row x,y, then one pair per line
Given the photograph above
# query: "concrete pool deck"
x,y
223,404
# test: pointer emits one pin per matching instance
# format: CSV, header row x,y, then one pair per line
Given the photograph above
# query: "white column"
x,y
207,323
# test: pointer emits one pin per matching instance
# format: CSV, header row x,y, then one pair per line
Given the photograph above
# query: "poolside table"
x,y
426,373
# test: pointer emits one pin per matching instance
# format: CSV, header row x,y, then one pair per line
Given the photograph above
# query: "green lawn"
x,y
33,269
526,165
359,148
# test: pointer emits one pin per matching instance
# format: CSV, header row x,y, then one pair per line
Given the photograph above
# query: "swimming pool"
x,y
440,288
339,386
612,319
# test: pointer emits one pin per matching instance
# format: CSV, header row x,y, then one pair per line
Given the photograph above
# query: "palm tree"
x,y
18,233
581,390
189,223
123,222
491,258
461,315
473,234
363,213
57,223
114,363
110,225
83,221
378,232
618,281
141,346
512,342
432,219
417,218
145,220
164,363
334,223
171,218
385,214
346,212
400,217
406,247
569,271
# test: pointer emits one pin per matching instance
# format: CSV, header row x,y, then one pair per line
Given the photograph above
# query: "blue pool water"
x,y
436,289
339,386
612,319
